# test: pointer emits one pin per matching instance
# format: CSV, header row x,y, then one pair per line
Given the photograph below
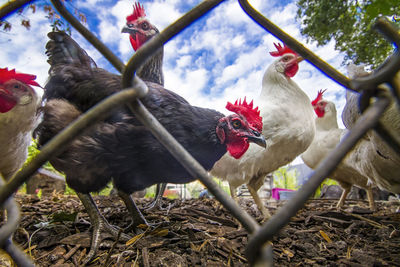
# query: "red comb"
x,y
318,98
138,12
6,75
280,51
252,115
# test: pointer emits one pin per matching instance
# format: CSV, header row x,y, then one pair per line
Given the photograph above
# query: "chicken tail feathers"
x,y
63,50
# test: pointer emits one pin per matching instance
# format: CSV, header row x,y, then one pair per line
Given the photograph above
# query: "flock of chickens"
x,y
120,149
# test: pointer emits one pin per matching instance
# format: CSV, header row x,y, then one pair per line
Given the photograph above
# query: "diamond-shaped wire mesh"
x,y
258,250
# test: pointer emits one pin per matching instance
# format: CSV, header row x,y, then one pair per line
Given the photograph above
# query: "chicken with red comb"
x,y
291,67
318,105
287,124
18,116
140,30
247,110
327,137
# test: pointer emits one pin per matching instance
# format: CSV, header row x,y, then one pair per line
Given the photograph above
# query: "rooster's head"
x,y
237,130
288,62
139,28
15,89
319,104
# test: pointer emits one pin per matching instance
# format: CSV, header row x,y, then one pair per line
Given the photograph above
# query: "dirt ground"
x,y
55,231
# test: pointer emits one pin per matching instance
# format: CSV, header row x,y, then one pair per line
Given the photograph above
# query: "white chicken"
x,y
18,116
288,127
326,138
372,156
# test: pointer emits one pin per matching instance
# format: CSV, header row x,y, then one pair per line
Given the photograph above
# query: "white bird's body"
x,y
288,127
372,156
327,137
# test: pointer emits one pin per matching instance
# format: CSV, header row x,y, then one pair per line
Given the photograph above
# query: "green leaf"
x,y
349,23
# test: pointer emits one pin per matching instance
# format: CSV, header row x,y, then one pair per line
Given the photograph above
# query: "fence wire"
x,y
258,250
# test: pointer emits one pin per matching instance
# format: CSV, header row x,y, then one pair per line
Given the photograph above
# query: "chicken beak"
x,y
258,139
299,59
126,29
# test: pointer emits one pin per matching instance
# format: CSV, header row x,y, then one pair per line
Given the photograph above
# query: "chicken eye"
x,y
236,124
145,26
130,25
16,86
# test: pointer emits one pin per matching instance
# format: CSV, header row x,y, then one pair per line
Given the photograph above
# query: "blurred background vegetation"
x,y
283,178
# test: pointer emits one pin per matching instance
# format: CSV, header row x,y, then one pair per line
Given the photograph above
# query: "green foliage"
x,y
69,190
349,23
286,179
327,181
22,189
194,188
151,191
105,191
33,151
223,185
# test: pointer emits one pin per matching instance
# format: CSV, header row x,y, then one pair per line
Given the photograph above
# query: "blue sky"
x,y
217,59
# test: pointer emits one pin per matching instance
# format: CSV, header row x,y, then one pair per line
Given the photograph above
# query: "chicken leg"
x,y
253,186
137,216
100,225
157,199
345,192
233,192
370,199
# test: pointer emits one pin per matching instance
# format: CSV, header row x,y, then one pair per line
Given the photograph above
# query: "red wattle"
x,y
133,43
292,70
237,149
6,104
320,113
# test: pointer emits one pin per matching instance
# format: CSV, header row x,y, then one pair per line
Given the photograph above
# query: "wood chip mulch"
x,y
55,231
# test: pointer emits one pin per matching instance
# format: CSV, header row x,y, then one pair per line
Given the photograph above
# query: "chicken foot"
x,y
137,216
156,203
346,191
100,225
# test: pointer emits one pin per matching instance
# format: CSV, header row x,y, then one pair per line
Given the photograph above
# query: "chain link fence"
x,y
259,249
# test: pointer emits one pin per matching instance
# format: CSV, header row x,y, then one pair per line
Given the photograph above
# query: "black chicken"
x,y
120,147
140,30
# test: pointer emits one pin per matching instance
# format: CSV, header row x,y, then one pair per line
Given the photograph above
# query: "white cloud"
x,y
183,61
24,49
243,64
162,13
